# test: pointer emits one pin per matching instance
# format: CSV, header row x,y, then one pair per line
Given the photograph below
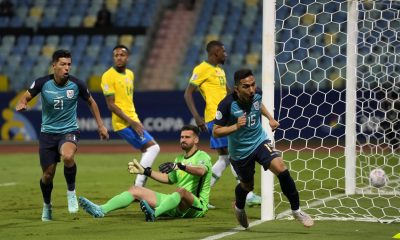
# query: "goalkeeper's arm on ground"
x,y
134,167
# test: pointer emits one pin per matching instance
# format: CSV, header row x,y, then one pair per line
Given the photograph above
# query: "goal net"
x,y
337,68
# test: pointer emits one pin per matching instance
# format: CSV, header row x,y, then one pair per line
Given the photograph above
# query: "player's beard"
x,y
186,146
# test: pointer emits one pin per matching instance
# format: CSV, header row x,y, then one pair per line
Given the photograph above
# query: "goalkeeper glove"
x,y
167,167
136,168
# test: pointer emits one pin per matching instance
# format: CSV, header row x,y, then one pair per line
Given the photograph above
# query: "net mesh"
x,y
311,53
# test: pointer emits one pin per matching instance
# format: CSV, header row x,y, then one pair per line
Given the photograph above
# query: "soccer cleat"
x,y
210,206
148,211
72,202
47,212
241,216
254,200
303,217
91,208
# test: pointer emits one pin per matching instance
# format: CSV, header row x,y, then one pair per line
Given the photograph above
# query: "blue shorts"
x,y
263,154
216,143
50,144
133,138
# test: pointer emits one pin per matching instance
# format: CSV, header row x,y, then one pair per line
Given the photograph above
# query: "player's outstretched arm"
x,y
134,167
22,104
168,167
103,132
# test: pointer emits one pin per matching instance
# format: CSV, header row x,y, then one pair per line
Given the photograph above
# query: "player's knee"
x,y
47,177
68,158
181,191
135,191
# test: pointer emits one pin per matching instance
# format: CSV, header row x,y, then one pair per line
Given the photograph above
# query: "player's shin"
x,y
121,200
289,189
170,202
46,191
240,195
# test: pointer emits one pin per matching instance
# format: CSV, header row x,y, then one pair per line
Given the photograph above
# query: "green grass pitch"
x,y
101,176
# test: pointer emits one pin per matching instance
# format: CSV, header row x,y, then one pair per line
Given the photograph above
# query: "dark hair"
x,y
195,129
121,46
61,53
212,44
241,74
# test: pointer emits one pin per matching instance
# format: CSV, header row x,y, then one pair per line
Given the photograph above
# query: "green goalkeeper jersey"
x,y
198,186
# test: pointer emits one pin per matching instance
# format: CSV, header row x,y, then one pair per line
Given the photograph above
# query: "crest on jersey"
x,y
256,105
70,93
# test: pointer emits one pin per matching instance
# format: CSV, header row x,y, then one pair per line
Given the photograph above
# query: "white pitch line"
x,y
8,184
232,231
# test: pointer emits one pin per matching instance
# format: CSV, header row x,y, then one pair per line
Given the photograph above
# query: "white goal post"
x,y
331,74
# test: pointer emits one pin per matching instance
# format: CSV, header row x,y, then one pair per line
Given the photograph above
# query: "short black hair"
x,y
61,53
214,43
193,128
121,46
241,74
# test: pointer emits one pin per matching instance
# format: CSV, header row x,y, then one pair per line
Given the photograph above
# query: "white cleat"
x,y
47,212
303,217
73,206
241,216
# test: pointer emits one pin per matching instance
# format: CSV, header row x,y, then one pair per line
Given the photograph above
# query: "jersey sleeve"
x,y
204,160
107,85
84,92
223,112
36,86
198,76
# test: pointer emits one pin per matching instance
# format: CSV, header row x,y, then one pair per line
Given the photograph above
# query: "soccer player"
x,y
239,117
117,84
209,78
59,132
191,172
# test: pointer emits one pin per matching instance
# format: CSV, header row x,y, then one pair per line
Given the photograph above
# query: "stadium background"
x,y
166,38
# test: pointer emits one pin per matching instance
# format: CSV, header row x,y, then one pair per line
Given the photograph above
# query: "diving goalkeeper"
x,y
191,172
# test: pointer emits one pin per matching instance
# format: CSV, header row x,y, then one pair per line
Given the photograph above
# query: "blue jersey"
x,y
245,140
59,103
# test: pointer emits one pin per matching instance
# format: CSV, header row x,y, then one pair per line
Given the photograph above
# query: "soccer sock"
x,y
70,175
121,200
219,166
146,161
289,189
240,195
46,191
251,194
170,202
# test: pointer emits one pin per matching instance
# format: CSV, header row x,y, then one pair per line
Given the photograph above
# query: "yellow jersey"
x,y
211,82
121,86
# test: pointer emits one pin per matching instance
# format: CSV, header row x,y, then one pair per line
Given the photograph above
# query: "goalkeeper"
x,y
191,172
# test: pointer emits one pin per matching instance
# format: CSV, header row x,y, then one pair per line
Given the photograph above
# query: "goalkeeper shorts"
x,y
197,210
